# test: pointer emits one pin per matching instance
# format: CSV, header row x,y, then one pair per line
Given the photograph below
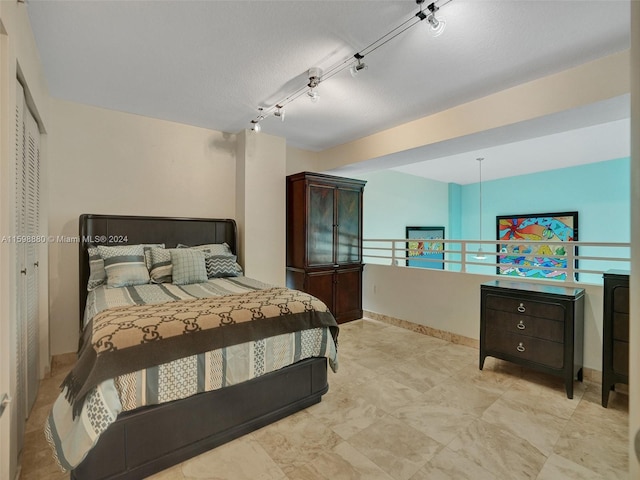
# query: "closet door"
x,y
27,247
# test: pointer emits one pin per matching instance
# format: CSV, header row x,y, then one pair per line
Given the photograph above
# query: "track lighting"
x,y
316,75
279,112
436,26
255,124
314,79
357,67
313,95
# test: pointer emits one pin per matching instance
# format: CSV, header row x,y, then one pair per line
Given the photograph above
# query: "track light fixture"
x,y
314,80
255,123
436,26
357,67
279,112
316,75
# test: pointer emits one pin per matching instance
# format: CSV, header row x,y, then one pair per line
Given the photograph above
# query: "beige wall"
x,y
260,211
117,163
299,160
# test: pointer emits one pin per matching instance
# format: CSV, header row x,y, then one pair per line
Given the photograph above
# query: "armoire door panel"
x,y
348,288
348,226
320,285
320,225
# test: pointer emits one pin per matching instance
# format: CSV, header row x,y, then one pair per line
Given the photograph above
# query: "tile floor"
x,y
406,406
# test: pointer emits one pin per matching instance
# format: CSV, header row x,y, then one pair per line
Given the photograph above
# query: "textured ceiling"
x,y
213,63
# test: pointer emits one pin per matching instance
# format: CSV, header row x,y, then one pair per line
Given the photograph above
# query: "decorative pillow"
x,y
160,269
188,266
124,265
213,248
147,252
222,266
97,275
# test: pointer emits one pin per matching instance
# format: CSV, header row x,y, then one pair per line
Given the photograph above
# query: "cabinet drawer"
x,y
522,306
621,357
526,325
532,349
621,299
621,326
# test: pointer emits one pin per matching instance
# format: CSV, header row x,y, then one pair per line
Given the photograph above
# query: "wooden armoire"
x,y
324,240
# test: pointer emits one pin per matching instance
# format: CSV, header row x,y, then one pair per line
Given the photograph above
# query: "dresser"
x,y
324,240
615,331
534,325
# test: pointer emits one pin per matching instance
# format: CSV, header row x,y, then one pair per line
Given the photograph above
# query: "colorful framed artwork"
x,y
519,258
423,248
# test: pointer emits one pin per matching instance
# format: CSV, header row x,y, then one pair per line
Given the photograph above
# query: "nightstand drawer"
x,y
532,349
525,325
528,307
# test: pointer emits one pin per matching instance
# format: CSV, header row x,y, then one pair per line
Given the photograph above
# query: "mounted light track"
x,y
316,75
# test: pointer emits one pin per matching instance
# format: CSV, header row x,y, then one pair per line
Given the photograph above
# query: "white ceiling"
x,y
213,63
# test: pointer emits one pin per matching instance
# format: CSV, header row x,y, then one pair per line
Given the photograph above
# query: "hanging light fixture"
x,y
480,254
357,67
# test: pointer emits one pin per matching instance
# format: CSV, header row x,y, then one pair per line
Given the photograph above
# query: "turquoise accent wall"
x,y
394,200
599,192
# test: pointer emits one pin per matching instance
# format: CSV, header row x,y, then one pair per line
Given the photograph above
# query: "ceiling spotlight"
x,y
357,67
313,95
255,124
314,81
279,112
436,26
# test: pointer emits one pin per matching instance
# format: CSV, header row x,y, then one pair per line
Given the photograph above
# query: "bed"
x,y
145,440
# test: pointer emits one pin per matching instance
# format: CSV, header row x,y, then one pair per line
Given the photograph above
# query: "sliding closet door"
x,y
27,229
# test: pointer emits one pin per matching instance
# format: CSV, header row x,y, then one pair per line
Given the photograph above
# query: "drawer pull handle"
x,y
520,347
521,308
521,326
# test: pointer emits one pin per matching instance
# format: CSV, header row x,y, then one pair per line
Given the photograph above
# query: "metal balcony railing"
x,y
553,260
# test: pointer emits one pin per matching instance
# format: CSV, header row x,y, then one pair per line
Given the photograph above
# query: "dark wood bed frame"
x,y
151,439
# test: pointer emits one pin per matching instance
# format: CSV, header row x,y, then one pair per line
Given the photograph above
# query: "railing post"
x,y
393,253
463,259
571,262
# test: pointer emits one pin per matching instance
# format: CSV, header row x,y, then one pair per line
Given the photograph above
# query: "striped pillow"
x,y
160,269
147,252
222,266
97,275
188,266
124,265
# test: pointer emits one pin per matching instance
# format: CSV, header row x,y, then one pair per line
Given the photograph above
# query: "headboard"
x,y
124,229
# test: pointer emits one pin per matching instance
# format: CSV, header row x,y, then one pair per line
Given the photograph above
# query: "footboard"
x,y
152,439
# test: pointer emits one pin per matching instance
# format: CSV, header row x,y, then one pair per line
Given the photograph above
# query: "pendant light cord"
x,y
480,167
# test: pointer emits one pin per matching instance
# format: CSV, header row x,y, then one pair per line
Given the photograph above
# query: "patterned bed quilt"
x,y
151,344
